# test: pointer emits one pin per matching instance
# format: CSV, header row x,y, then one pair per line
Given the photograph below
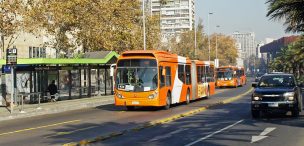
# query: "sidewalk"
x,y
31,110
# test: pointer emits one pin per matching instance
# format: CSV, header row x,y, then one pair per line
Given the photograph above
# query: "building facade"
x,y
176,16
273,48
239,60
247,41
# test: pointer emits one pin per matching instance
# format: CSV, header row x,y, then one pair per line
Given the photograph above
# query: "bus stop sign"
x,y
11,56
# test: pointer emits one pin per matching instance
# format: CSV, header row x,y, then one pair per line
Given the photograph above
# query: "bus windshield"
x,y
228,75
137,75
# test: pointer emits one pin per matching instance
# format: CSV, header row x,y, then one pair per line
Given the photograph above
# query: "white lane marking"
x,y
167,135
267,130
257,138
216,132
262,135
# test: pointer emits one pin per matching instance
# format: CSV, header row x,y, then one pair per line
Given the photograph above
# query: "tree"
x,y
291,11
10,22
94,25
227,51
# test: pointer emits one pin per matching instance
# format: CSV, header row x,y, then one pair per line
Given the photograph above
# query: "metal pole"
x,y
144,23
39,100
216,43
209,33
2,38
208,37
195,43
12,89
215,46
22,102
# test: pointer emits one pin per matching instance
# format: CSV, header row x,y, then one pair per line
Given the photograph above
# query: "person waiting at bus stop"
x,y
53,90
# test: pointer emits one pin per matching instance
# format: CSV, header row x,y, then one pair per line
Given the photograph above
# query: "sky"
x,y
239,15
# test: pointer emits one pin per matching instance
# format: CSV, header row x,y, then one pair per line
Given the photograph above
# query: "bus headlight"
x,y
154,95
119,96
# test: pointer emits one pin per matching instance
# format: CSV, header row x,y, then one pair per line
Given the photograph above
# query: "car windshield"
x,y
277,81
224,75
137,75
259,74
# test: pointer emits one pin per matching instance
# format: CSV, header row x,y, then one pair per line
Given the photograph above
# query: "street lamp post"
x,y
216,45
144,23
209,33
2,47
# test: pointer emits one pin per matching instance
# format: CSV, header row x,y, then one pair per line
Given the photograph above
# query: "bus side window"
x,y
181,73
188,74
168,76
199,74
161,77
204,72
208,74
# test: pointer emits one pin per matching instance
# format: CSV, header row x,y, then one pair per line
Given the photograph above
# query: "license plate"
x,y
135,102
273,104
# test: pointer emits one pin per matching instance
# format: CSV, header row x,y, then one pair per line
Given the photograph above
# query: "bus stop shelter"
x,y
74,78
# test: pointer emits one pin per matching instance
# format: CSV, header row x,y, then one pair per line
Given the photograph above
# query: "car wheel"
x,y
295,113
130,108
168,101
255,114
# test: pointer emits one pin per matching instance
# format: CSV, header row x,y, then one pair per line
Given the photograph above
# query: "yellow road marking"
x,y
40,127
70,132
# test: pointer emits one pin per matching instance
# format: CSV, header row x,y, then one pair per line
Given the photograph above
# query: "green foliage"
x,y
94,25
227,52
290,11
10,21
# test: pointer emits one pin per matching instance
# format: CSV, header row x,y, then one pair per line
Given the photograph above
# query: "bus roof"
x,y
159,55
198,62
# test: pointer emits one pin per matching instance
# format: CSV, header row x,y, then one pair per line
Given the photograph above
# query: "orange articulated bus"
x,y
203,79
229,76
153,78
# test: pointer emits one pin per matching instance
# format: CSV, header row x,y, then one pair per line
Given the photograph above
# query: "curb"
x,y
56,109
156,122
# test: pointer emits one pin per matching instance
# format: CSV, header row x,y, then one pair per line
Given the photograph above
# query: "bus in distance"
x,y
230,76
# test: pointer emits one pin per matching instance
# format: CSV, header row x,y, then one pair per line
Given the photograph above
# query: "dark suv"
x,y
276,92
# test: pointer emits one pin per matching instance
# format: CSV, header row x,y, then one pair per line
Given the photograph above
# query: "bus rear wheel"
x,y
208,92
168,101
188,97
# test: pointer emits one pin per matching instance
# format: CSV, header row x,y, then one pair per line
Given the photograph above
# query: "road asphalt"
x,y
228,124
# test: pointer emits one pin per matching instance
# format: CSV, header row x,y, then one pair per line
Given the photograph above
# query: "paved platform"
x,y
30,110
